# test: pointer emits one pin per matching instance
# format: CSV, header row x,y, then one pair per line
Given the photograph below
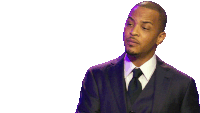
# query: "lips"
x,y
132,41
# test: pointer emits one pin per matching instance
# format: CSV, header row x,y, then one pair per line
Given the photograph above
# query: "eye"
x,y
145,28
129,24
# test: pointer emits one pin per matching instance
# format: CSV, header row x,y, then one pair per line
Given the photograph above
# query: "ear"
x,y
160,38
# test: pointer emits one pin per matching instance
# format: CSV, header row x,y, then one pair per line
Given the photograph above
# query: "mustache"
x,y
132,39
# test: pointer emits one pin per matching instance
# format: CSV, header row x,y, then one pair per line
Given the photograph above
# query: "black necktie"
x,y
135,87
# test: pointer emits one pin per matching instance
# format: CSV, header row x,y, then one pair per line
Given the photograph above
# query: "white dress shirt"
x,y
147,69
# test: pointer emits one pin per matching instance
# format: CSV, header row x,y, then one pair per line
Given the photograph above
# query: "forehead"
x,y
144,14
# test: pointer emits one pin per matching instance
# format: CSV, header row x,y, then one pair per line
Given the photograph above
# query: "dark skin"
x,y
142,34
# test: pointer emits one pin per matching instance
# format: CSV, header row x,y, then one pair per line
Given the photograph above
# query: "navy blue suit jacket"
x,y
103,90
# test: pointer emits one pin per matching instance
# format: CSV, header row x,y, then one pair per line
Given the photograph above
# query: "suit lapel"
x,y
117,83
162,83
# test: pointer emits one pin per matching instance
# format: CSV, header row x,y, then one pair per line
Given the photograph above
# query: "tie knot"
x,y
137,73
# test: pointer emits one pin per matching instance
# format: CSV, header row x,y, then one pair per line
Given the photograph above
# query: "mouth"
x,y
132,42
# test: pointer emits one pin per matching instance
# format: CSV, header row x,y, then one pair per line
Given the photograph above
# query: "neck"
x,y
139,60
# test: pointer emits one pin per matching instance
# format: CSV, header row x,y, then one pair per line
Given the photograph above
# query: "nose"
x,y
135,30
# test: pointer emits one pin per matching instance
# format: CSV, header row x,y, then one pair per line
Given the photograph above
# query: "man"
x,y
138,81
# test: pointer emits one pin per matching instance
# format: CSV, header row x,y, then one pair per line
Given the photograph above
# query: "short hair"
x,y
159,9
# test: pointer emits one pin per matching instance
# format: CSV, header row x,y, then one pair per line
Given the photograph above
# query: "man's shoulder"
x,y
176,74
107,64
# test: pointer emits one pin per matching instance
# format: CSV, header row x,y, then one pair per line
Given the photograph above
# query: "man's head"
x,y
144,29
159,9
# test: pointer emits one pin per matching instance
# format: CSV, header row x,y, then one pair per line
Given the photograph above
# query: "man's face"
x,y
141,31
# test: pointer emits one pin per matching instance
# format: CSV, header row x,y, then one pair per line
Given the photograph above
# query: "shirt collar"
x,y
147,68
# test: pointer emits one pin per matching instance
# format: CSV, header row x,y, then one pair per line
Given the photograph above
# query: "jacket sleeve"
x,y
89,98
191,99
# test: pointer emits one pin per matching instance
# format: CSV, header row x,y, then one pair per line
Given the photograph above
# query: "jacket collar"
x,y
117,82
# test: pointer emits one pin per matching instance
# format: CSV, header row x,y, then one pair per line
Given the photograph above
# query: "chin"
x,y
131,52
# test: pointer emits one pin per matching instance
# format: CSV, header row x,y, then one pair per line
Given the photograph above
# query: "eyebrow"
x,y
145,22
131,18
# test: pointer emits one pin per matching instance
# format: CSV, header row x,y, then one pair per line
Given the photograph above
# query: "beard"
x,y
131,53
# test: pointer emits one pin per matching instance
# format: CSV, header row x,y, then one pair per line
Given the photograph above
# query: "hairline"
x,y
162,19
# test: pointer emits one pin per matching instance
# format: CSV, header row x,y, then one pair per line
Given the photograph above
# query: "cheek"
x,y
126,32
149,41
